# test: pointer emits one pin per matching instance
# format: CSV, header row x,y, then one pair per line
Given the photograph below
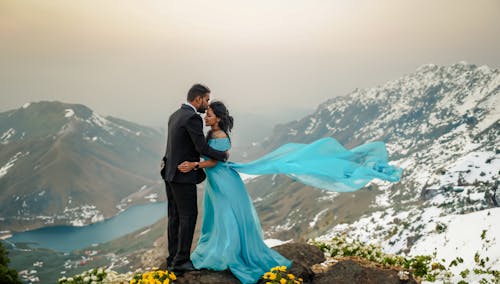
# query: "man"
x,y
185,142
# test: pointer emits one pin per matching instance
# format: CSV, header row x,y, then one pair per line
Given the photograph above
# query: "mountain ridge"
x,y
68,154
393,99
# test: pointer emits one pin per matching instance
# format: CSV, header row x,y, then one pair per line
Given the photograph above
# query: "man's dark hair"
x,y
197,90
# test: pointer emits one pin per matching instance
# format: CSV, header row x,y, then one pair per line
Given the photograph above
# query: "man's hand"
x,y
186,166
162,168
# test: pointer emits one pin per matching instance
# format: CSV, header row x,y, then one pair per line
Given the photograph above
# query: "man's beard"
x,y
201,109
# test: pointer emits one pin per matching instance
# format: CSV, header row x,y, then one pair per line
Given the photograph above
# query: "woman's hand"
x,y
186,166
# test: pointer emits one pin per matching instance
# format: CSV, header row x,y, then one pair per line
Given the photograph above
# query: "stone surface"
x,y
349,271
304,253
310,264
303,256
207,276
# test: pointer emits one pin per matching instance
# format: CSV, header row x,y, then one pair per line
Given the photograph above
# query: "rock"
x,y
310,264
207,276
349,271
204,276
300,252
303,256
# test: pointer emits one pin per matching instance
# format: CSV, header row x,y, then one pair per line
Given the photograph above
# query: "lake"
x,y
69,238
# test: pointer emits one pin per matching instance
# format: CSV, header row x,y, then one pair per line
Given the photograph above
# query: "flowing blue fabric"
x,y
326,164
231,235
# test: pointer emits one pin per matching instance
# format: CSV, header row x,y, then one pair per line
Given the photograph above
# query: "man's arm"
x,y
194,127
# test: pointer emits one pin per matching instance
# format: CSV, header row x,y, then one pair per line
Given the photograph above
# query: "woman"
x,y
231,235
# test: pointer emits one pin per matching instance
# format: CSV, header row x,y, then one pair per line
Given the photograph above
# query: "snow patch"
x,y
10,163
7,135
275,242
246,177
83,215
382,200
143,232
316,218
312,125
69,113
152,197
462,237
473,167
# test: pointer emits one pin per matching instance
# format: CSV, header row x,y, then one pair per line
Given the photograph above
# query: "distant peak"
x,y
66,109
41,104
463,65
427,67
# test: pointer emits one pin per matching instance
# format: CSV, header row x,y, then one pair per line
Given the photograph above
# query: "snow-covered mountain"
x,y
441,124
65,164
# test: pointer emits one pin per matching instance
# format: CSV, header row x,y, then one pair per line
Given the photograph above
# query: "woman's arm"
x,y
186,166
189,166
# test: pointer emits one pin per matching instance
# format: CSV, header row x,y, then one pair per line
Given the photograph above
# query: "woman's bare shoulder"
x,y
219,134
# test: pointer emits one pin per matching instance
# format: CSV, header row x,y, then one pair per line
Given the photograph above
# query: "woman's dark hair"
x,y
221,112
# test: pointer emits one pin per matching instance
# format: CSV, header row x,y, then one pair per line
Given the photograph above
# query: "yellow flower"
x,y
272,276
132,281
172,276
166,281
282,281
291,276
283,268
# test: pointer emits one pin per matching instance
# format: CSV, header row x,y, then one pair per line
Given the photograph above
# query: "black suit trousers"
x,y
182,214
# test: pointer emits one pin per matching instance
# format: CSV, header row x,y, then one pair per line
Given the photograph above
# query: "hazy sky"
x,y
137,59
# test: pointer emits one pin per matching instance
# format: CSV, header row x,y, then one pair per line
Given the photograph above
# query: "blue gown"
x,y
231,235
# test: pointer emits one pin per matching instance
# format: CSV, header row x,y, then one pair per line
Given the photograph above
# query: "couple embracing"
x,y
231,235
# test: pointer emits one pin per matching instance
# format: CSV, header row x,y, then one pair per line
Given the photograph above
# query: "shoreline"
x,y
35,221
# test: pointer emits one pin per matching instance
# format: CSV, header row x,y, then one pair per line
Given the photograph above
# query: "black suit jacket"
x,y
185,142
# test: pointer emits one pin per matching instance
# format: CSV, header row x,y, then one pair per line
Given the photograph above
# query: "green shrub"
x,y
7,276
